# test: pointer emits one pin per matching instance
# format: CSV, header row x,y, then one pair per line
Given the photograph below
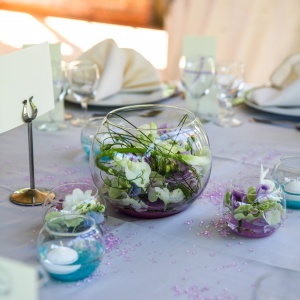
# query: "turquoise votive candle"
x,y
292,193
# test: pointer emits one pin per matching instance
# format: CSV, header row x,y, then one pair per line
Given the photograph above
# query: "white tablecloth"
x,y
191,255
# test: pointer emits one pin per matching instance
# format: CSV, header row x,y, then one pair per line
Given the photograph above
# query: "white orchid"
x,y
137,172
195,160
153,164
137,205
168,146
167,196
272,217
148,132
79,202
77,196
262,179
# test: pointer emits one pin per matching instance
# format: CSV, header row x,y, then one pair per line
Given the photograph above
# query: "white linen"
x,y
269,96
185,256
121,69
287,72
285,85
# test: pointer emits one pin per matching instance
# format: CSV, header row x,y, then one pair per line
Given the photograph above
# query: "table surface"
x,y
191,255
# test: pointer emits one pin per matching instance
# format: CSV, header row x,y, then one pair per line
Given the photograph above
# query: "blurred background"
x,y
261,33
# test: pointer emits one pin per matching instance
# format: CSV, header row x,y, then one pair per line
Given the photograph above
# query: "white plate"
x,y
124,99
287,111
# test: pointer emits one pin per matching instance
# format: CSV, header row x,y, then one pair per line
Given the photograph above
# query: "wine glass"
x,y
56,116
83,76
229,81
197,75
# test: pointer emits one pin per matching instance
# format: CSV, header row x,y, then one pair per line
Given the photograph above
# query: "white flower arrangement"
x,y
259,202
151,164
80,202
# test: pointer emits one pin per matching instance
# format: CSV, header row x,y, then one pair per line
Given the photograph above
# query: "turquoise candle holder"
x,y
287,173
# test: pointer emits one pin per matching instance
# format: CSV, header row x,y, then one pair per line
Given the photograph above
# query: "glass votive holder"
x,y
70,247
75,198
88,132
277,285
287,173
254,209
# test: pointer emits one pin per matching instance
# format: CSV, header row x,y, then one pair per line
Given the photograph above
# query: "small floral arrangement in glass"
x,y
74,199
254,206
154,169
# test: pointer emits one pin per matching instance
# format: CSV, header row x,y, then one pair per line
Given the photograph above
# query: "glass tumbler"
x,y
70,247
88,132
197,76
229,82
252,209
287,173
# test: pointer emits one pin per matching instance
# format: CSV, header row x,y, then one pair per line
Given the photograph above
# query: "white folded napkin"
x,y
287,72
270,96
121,69
285,85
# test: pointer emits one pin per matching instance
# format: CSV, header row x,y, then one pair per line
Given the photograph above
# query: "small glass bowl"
x,y
70,247
88,132
252,209
75,198
287,173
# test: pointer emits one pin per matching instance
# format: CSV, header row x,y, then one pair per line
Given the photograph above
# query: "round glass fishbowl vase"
x,y
70,247
150,161
252,208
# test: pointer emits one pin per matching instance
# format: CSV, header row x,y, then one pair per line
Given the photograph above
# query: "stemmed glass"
x,y
197,75
229,81
56,115
83,77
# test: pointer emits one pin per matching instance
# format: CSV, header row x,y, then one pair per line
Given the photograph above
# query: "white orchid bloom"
x,y
137,172
137,205
148,130
77,197
195,160
272,217
166,147
262,179
166,196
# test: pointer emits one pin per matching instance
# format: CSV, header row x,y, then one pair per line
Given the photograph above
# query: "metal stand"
x,y
29,196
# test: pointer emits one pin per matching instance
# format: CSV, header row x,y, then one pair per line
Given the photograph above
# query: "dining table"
x,y
190,255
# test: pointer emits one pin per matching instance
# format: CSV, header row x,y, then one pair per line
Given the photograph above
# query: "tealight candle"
x,y
292,193
62,256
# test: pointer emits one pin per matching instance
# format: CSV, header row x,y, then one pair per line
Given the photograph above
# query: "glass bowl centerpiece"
x,y
254,206
150,161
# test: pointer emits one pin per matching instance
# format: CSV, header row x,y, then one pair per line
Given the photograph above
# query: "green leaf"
x,y
251,194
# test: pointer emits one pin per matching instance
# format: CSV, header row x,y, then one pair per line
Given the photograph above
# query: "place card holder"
x,y
29,196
